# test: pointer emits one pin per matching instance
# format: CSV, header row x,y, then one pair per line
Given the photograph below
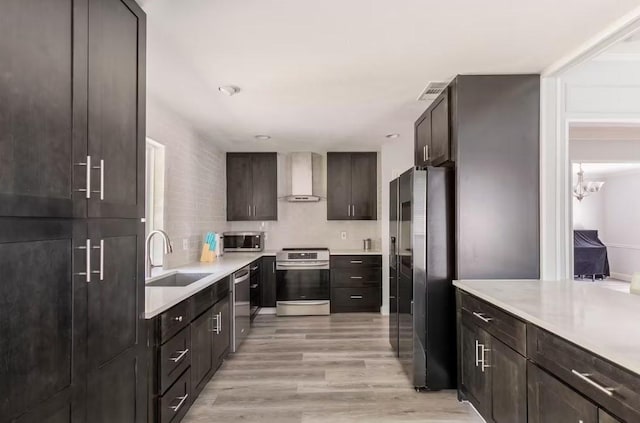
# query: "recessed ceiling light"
x,y
263,137
392,136
229,90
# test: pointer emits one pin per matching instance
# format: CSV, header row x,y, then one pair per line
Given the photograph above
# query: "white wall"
x,y
397,157
589,213
306,224
622,223
195,189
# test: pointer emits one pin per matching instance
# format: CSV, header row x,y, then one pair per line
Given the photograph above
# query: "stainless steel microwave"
x,y
243,241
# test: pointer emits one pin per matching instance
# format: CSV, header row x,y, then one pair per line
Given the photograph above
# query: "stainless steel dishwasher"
x,y
241,306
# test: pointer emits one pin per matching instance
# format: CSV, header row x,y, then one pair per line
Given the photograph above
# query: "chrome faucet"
x,y
168,249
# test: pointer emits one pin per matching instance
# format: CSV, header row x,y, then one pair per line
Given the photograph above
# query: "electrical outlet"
x,y
185,244
343,235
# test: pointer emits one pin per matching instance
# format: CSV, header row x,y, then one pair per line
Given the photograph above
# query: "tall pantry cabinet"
x,y
72,111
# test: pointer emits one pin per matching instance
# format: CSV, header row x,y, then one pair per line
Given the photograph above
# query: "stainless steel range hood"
x,y
304,177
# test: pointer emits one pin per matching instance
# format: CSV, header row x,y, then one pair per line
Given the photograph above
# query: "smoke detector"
x,y
432,90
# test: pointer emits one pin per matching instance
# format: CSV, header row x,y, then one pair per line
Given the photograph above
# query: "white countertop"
x,y
600,320
161,298
355,252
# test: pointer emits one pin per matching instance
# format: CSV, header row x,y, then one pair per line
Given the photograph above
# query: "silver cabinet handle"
x,y
253,269
349,210
353,210
180,356
254,286
587,378
87,248
482,317
483,358
177,319
274,267
101,248
478,345
356,277
175,408
254,211
356,262
249,209
86,190
356,297
426,152
219,323
101,191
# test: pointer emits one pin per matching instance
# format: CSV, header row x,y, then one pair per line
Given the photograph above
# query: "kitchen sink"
x,y
178,279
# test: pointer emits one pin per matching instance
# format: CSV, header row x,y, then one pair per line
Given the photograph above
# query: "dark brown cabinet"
x,y
268,282
352,186
433,145
188,344
356,283
551,401
252,186
493,376
72,123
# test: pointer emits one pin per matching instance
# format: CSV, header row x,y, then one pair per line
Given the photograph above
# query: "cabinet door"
x,y
264,186
364,186
604,417
422,138
239,180
221,336
550,401
339,186
475,383
202,364
42,326
268,282
508,384
115,307
116,108
42,89
438,150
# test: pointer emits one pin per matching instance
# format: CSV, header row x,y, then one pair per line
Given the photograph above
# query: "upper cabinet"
x,y
72,123
252,186
352,186
433,145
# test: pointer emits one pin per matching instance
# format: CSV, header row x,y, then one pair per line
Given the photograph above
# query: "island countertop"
x,y
598,319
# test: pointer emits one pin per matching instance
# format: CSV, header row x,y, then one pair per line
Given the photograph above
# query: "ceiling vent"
x,y
433,90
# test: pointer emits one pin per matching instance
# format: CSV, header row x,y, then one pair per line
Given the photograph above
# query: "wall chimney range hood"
x,y
304,177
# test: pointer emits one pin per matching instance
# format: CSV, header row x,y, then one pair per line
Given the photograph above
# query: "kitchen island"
x,y
521,342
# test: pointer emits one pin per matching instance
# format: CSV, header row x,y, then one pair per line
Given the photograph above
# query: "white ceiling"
x,y
340,74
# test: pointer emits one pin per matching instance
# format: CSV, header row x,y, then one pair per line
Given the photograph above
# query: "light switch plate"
x,y
343,235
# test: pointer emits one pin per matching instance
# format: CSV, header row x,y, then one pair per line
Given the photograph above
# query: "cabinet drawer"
x,y
202,301
175,357
610,386
174,319
356,278
173,405
345,300
507,328
220,290
355,261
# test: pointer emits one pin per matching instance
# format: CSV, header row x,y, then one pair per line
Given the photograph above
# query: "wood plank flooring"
x,y
333,369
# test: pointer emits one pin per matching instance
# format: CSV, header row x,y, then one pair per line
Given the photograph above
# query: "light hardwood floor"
x,y
334,369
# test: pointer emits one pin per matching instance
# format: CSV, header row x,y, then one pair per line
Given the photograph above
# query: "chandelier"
x,y
585,188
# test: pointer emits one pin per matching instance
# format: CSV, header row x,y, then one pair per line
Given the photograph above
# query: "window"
x,y
154,202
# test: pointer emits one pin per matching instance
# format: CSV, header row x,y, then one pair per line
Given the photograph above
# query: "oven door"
x,y
302,284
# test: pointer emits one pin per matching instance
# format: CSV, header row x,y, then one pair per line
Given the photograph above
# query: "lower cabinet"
x,y
187,345
512,371
268,282
356,283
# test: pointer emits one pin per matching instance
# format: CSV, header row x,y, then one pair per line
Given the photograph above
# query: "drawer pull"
x,y
177,319
482,317
180,356
356,297
356,277
587,378
175,408
356,261
483,358
253,269
478,345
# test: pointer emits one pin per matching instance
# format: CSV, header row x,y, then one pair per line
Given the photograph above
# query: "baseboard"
x,y
621,276
267,310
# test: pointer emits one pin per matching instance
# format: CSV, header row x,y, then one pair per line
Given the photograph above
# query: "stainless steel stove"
x,y
302,282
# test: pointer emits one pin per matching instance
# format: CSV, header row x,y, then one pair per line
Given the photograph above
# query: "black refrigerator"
x,y
422,327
